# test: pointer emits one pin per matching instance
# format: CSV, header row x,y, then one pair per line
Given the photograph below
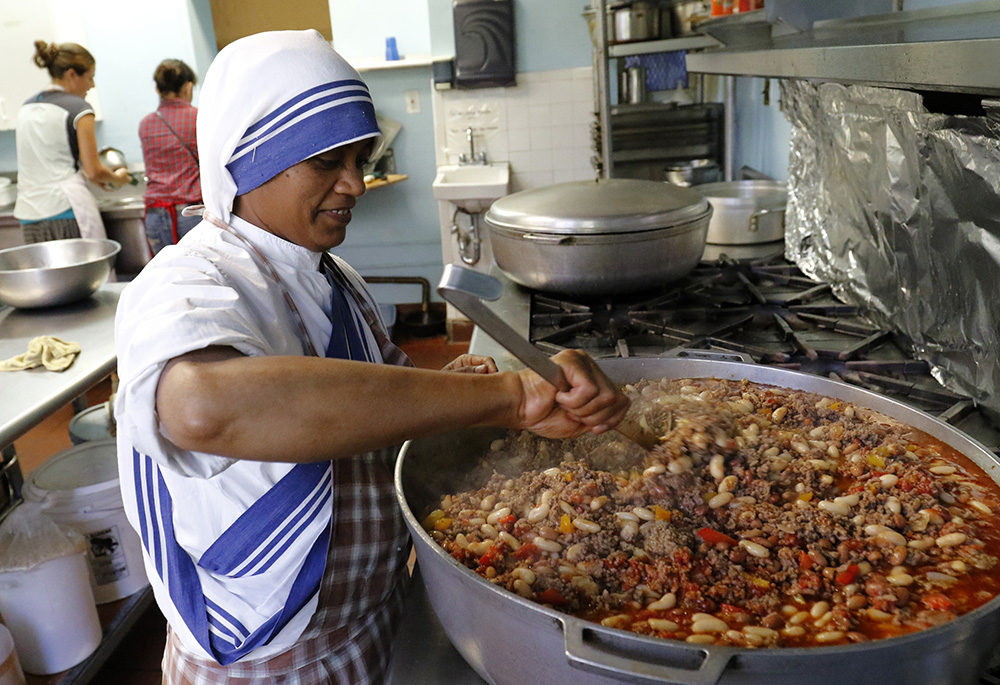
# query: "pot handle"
x,y
754,223
548,239
601,652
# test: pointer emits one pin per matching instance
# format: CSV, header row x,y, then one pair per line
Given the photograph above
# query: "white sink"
x,y
472,187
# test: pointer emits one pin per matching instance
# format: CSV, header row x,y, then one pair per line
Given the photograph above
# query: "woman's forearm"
x,y
307,408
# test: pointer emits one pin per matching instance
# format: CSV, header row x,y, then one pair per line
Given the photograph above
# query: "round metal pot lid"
x,y
607,205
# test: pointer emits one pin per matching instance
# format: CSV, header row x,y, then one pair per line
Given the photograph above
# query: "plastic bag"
x,y
29,537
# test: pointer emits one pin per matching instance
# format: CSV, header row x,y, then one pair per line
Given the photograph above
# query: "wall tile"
x,y
541,126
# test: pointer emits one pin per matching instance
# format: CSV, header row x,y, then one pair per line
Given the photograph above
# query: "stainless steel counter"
x,y
29,396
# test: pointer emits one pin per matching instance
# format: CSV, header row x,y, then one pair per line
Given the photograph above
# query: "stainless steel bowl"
x,y
55,272
112,158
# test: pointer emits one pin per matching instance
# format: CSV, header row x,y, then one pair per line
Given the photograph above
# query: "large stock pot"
x,y
603,237
509,640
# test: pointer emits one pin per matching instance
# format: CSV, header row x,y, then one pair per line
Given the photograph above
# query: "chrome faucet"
x,y
473,157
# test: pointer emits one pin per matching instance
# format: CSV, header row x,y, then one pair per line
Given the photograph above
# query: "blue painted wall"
x,y
395,230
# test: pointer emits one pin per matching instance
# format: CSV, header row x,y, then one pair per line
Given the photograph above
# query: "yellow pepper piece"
x,y
756,580
805,496
442,524
565,524
661,513
432,519
875,460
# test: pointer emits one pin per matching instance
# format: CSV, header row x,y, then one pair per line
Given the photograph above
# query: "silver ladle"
x,y
466,289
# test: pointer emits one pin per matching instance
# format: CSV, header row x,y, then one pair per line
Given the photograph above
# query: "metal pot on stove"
x,y
746,212
603,237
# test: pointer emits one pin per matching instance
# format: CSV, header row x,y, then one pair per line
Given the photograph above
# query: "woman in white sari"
x,y
261,402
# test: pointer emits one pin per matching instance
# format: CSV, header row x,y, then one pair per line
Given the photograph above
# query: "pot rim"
x,y
598,207
609,237
750,193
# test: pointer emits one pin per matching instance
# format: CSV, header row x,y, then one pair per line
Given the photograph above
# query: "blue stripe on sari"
x,y
343,92
280,509
292,102
354,119
346,341
215,629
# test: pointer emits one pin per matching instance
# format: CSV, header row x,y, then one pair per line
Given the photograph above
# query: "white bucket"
x,y
51,614
10,667
78,488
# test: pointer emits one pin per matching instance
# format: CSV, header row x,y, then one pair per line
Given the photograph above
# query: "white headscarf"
x,y
269,101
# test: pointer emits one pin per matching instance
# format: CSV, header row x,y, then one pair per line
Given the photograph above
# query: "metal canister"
x,y
636,84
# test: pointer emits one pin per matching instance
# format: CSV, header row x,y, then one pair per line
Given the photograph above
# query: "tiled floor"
x,y
136,661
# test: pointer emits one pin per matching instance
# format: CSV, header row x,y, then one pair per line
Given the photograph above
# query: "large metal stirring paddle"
x,y
466,289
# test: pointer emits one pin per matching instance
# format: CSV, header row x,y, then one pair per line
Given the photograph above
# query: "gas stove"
x,y
766,310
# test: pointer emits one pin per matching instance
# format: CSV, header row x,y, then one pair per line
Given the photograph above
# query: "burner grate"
x,y
768,310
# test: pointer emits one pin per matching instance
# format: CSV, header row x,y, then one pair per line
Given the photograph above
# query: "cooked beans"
x,y
951,540
841,523
667,601
708,624
663,624
720,500
547,545
756,549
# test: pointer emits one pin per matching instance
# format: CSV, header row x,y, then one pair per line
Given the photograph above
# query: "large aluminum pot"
x,y
603,237
509,640
746,212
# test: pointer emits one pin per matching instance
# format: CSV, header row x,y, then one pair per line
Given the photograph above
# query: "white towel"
x,y
52,353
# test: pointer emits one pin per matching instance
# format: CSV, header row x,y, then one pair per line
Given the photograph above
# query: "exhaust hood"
x,y
952,48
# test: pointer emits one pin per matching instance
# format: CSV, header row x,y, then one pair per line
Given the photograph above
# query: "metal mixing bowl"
x,y
55,272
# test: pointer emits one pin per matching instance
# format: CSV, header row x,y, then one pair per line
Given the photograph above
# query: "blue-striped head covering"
x,y
270,101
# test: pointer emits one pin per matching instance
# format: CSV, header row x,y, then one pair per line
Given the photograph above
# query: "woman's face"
x,y
310,204
79,84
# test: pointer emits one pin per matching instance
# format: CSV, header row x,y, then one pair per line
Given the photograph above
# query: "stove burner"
x,y
767,309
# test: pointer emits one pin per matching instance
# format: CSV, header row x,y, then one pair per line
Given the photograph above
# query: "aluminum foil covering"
x,y
899,210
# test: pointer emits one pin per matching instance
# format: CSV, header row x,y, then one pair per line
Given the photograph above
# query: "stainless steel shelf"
x,y
950,49
694,42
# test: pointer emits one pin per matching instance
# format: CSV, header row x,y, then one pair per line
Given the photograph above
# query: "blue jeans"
x,y
159,232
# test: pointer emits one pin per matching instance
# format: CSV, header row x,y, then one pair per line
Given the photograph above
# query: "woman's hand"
x,y
594,403
472,363
122,177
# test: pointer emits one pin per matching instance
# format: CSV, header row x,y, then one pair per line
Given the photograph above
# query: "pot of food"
x,y
608,236
565,520
746,212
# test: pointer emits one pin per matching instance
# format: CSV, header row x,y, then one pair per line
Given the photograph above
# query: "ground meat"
x,y
790,518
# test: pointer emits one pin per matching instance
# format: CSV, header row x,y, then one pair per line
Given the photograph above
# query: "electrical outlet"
x,y
412,101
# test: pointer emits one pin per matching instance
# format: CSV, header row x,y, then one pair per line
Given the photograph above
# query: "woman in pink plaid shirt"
x,y
170,151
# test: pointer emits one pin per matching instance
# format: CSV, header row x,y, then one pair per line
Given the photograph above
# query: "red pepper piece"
x,y
528,551
939,602
551,596
712,537
848,575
